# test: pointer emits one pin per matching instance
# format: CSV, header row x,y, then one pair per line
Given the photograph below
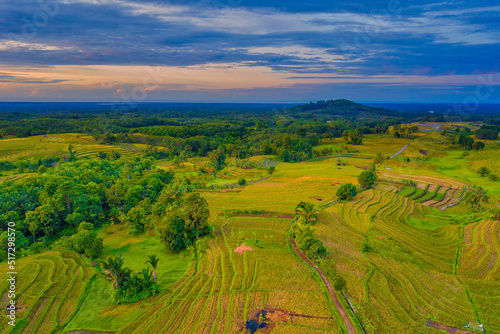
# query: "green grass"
x,y
418,192
407,191
135,251
100,299
428,195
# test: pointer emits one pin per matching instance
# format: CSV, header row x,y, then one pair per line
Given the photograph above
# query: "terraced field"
x,y
409,275
49,290
227,288
57,145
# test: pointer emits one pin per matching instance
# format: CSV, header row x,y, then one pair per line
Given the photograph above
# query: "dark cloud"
x,y
363,38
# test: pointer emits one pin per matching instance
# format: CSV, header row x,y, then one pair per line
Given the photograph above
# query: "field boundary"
x,y
338,305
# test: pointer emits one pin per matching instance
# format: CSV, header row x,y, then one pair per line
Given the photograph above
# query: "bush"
x,y
493,177
86,241
340,284
346,191
242,181
366,248
367,178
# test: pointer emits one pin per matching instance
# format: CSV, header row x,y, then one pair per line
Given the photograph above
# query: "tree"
x,y
339,284
242,181
153,261
307,211
135,219
477,197
478,145
271,169
346,191
483,171
217,159
41,169
367,178
378,158
86,241
172,232
196,215
114,268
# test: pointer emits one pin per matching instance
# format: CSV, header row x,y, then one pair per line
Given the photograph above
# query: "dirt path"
x,y
347,321
400,151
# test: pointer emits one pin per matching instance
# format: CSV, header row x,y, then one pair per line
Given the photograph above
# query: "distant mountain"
x,y
344,109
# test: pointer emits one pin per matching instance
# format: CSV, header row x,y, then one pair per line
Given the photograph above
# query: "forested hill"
x,y
343,108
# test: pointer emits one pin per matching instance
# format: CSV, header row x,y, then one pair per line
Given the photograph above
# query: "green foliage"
x,y
346,191
483,171
181,227
271,169
307,212
378,158
307,242
86,241
367,178
242,181
217,159
91,191
366,247
478,145
195,214
477,197
173,230
135,219
340,284
493,177
129,286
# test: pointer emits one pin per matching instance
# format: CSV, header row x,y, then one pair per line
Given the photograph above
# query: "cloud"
x,y
344,39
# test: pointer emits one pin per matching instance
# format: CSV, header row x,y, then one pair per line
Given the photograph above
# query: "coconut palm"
x,y
483,171
114,268
153,261
147,280
478,197
307,211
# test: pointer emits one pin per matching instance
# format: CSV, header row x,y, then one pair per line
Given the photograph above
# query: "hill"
x,y
345,109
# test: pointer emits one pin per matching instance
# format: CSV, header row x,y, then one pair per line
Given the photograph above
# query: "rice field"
x,y
49,289
406,261
225,288
57,145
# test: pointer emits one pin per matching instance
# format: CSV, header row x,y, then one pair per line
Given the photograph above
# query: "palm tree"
x,y
483,171
114,268
153,261
477,197
308,211
146,280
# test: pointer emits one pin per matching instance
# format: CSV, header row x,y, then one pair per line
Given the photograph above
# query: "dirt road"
x,y
341,310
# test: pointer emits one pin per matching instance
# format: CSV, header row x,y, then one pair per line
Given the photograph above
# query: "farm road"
x,y
347,321
400,151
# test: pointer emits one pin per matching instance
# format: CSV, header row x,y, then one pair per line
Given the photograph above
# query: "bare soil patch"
x,y
449,329
242,249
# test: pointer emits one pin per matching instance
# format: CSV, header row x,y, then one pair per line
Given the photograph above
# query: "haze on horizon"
x,y
249,51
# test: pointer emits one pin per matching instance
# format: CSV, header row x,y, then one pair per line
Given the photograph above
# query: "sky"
x,y
250,51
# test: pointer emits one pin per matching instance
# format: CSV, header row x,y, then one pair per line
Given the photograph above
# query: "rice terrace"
x,y
249,167
270,223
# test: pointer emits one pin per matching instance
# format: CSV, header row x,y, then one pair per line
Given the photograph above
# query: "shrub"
x,y
367,178
86,241
483,171
242,181
493,177
340,284
346,191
